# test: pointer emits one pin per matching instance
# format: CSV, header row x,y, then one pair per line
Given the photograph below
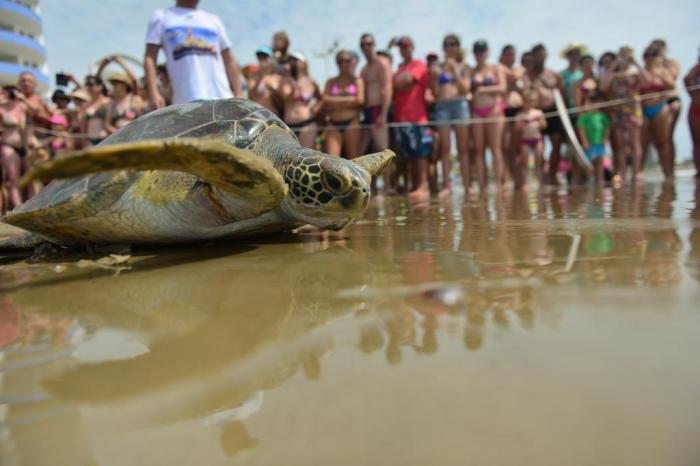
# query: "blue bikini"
x,y
652,110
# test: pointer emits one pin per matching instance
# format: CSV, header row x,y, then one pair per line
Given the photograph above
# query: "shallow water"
x,y
539,329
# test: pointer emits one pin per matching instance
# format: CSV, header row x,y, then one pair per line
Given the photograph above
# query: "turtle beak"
x,y
375,163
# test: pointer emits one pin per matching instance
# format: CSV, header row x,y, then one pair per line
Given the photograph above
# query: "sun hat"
x,y
120,78
299,56
80,94
573,47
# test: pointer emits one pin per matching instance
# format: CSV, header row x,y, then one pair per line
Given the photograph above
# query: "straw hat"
x,y
573,47
120,78
80,94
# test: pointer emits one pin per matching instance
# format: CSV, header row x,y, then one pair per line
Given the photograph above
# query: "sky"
x,y
79,32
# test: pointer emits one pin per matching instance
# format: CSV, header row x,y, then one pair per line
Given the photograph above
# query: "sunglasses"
x,y
451,44
366,44
91,84
344,60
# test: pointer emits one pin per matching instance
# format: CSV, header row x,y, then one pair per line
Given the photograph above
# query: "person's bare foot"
x,y
445,191
419,194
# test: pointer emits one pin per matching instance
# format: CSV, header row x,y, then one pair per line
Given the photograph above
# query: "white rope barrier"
x,y
462,122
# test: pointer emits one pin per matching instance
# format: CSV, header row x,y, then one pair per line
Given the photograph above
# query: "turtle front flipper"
x,y
237,171
22,242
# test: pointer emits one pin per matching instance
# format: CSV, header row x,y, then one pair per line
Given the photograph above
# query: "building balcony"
x,y
9,73
22,17
24,48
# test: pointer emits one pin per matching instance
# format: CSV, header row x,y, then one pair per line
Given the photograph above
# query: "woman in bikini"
x,y
488,87
514,102
94,114
672,98
657,115
13,121
343,98
126,103
587,84
450,84
529,124
623,82
691,81
302,100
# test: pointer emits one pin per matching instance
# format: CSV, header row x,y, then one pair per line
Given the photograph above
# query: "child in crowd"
x,y
529,124
593,127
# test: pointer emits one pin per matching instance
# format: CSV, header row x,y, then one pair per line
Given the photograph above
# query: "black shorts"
x,y
554,123
512,111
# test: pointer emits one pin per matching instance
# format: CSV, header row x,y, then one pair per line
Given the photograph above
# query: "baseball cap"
x,y
264,51
480,46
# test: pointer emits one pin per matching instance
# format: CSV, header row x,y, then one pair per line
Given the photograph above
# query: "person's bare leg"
x,y
619,154
660,127
307,135
334,142
539,163
445,148
494,135
419,177
645,139
479,132
353,138
694,124
462,139
11,166
635,135
675,110
598,170
555,140
520,168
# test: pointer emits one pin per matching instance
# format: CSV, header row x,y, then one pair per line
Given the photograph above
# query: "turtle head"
x,y
328,191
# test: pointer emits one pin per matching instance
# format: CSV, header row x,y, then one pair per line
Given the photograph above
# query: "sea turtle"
x,y
189,172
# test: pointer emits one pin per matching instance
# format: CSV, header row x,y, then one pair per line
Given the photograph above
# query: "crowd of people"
x,y
618,106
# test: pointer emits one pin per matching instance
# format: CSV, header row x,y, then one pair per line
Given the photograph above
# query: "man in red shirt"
x,y
415,140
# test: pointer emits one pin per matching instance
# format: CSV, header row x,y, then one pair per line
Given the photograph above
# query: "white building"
x,y
21,42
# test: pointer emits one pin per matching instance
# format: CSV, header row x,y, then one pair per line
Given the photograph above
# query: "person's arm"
x,y
155,100
108,120
103,64
286,89
386,93
690,78
543,120
578,95
582,135
462,77
132,77
234,78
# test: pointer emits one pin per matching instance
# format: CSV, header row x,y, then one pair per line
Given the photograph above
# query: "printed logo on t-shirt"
x,y
185,41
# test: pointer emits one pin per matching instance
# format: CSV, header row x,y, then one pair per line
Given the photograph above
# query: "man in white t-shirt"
x,y
199,59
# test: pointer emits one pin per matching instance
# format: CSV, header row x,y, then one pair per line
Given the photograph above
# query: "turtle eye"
x,y
335,183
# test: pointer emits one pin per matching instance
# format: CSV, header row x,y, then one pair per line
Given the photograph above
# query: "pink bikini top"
x,y
350,90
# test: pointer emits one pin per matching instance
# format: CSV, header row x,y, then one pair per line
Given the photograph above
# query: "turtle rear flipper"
x,y
237,171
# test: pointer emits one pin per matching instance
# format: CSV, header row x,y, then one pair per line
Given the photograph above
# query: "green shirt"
x,y
594,125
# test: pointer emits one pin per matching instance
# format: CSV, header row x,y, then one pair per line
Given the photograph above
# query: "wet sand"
x,y
536,329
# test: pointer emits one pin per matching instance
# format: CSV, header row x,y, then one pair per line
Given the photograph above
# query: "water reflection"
x,y
201,336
